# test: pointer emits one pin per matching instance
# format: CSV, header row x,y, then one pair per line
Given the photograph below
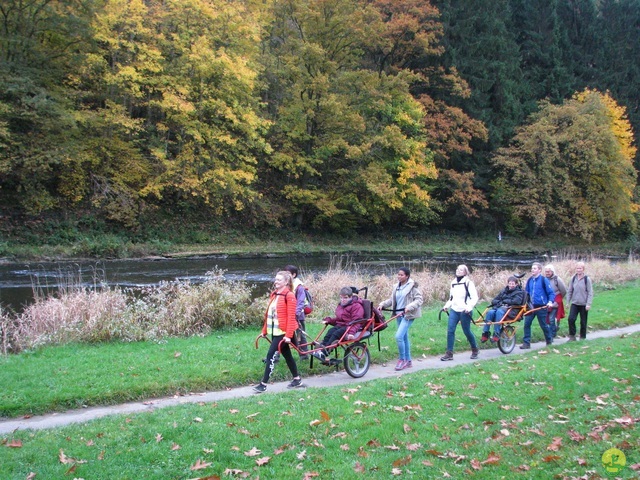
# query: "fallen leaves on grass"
x,y
575,436
401,462
15,443
555,445
200,465
68,460
254,452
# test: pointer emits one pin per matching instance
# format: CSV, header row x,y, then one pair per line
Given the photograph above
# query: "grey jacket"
x,y
580,291
558,286
412,309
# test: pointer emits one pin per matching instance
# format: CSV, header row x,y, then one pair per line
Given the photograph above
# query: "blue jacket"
x,y
540,291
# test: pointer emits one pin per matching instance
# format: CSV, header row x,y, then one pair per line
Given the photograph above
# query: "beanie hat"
x,y
346,291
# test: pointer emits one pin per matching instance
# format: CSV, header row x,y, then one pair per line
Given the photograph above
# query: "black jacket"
x,y
509,297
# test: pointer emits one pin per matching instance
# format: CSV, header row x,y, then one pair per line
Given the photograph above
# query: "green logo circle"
x,y
613,460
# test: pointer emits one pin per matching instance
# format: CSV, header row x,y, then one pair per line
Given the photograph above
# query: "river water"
x,y
18,281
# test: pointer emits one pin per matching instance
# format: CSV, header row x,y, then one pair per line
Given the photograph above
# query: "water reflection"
x,y
19,281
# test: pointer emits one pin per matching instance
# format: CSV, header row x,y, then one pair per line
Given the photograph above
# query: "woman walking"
x,y
579,296
463,296
556,310
280,322
405,299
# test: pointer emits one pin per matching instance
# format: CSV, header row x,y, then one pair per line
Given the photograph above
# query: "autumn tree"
x,y
180,123
349,139
410,39
569,171
40,41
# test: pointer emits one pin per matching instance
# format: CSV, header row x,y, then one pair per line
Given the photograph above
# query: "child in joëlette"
x,y
348,310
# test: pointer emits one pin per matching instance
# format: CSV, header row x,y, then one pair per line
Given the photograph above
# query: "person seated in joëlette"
x,y
348,311
511,296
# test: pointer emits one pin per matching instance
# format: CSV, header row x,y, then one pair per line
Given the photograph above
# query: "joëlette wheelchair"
x,y
355,352
508,322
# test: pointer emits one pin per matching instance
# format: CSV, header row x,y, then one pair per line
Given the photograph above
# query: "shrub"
x,y
83,314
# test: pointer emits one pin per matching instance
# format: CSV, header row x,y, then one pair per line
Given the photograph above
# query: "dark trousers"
x,y
333,335
300,339
271,361
573,315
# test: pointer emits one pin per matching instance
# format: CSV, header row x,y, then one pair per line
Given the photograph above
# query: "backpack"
x,y
378,321
308,301
378,318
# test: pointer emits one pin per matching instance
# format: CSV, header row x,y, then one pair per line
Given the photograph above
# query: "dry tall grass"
x,y
96,315
434,284
180,309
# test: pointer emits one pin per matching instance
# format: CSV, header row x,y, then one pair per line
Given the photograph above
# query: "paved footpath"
x,y
332,379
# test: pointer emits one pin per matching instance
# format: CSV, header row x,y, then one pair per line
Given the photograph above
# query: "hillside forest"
x,y
322,115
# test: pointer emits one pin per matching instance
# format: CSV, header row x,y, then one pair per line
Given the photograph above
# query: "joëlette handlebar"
x,y
393,317
258,339
269,340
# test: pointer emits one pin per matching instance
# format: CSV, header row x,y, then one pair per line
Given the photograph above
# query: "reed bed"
x,y
183,309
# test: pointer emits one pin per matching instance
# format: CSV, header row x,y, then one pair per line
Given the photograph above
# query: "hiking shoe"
x,y
447,356
549,342
304,357
525,346
408,364
319,355
572,338
295,383
495,339
485,337
260,388
400,365
474,353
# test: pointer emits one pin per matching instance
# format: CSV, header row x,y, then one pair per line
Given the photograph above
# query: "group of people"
x,y
543,294
285,315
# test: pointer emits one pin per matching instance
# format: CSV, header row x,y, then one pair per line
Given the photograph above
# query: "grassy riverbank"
x,y
75,245
71,376
550,415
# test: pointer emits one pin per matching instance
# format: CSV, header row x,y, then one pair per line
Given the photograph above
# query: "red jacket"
x,y
345,314
286,310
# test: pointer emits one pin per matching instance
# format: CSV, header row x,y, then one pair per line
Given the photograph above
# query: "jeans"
x,y
542,321
402,338
465,320
573,314
551,321
494,315
271,362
